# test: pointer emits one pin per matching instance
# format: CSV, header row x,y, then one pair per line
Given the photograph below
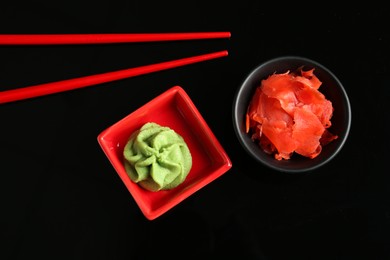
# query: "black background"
x,y
61,198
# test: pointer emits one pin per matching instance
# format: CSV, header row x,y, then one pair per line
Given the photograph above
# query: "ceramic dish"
x,y
173,109
331,87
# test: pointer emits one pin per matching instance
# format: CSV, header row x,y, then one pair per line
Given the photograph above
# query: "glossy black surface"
x,y
61,198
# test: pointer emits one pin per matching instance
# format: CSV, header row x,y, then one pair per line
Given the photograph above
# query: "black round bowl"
x,y
332,89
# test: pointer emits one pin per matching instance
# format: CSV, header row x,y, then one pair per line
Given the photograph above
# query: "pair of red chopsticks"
x,y
69,39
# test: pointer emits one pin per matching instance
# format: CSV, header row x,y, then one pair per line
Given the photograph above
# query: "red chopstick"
x,y
50,39
76,83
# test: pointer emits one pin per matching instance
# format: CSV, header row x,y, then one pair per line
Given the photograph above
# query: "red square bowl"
x,y
173,109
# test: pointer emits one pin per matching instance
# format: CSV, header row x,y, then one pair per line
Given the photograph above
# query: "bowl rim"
x,y
235,109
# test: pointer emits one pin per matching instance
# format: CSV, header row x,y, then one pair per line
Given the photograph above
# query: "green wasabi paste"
x,y
157,158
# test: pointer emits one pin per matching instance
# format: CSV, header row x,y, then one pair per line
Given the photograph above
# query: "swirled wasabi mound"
x,y
157,158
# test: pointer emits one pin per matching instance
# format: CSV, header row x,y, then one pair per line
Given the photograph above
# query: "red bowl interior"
x,y
174,109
